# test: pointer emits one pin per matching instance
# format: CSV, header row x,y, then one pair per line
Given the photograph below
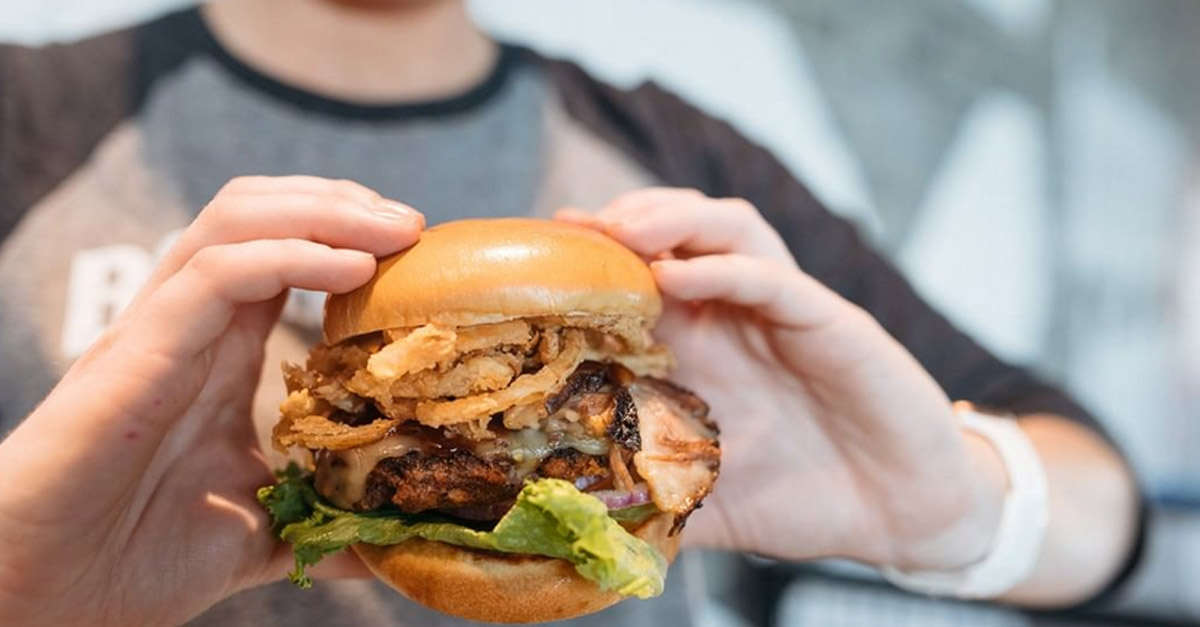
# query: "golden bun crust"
x,y
479,271
495,587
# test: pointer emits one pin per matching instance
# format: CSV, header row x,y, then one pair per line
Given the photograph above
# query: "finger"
x,y
314,185
339,221
781,294
381,228
149,368
631,203
626,205
575,215
193,307
582,218
686,224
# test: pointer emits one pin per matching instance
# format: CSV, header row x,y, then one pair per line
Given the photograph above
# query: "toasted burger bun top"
x,y
496,587
480,271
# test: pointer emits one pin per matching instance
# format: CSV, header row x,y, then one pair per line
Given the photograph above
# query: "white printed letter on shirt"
x,y
103,282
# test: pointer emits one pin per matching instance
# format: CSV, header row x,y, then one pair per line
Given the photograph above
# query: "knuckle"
x,y
353,189
209,261
345,186
857,317
753,225
238,185
223,210
630,232
744,208
622,199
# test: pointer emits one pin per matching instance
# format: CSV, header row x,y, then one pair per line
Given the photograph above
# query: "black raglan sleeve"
x,y
56,103
8,212
685,147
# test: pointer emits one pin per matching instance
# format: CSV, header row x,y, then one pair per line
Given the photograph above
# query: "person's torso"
x,y
82,251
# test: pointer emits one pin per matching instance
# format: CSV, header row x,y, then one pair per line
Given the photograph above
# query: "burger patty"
x,y
416,482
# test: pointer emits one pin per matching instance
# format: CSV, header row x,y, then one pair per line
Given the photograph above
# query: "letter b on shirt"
x,y
102,283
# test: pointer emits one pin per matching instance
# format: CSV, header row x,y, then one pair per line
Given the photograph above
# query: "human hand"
x,y
128,495
836,443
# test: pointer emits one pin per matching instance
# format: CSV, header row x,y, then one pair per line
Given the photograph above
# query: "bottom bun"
x,y
499,587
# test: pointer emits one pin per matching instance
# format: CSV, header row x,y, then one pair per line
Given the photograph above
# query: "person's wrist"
x,y
968,537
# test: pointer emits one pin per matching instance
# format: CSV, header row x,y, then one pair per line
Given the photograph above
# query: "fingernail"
x,y
392,210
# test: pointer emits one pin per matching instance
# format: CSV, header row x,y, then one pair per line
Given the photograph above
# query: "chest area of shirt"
x,y
85,250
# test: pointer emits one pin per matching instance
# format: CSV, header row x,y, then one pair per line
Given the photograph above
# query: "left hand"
x,y
836,443
128,495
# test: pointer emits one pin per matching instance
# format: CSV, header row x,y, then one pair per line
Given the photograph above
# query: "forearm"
x,y
1093,514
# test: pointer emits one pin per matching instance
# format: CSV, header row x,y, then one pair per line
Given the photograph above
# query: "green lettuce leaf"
x,y
550,518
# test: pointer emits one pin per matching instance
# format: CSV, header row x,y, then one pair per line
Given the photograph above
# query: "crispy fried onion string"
x,y
444,363
302,424
616,462
423,348
451,378
526,388
475,374
487,336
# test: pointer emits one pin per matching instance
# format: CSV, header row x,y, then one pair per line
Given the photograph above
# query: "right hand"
x,y
835,441
128,495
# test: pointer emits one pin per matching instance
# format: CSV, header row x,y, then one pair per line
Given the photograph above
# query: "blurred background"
x,y
1032,165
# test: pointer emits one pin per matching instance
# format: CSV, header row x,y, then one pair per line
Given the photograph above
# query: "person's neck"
x,y
364,53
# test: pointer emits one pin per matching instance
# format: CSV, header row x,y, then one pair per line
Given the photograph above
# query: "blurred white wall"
x,y
39,21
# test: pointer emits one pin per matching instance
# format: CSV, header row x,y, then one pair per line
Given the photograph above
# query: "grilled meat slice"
x,y
680,456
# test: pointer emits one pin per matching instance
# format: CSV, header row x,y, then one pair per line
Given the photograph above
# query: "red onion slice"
x,y
620,499
583,483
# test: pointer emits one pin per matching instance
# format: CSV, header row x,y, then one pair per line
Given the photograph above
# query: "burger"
x,y
487,426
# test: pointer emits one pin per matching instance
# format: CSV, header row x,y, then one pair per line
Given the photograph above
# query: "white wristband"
x,y
1018,541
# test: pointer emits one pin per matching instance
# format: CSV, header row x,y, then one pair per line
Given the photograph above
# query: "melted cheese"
x,y
342,475
528,447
